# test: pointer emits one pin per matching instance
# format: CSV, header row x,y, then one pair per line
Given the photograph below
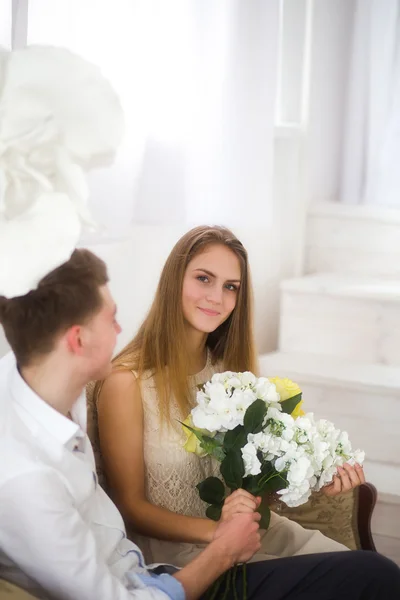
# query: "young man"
x,y
61,537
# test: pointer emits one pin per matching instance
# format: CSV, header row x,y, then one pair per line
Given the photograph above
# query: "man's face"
x,y
100,336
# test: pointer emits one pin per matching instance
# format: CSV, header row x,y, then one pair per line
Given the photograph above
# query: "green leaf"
x,y
209,444
218,453
272,482
211,490
235,439
290,404
269,480
232,469
265,513
197,433
251,484
253,419
214,512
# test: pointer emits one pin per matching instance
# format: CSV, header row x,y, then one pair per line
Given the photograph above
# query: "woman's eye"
x,y
203,278
231,287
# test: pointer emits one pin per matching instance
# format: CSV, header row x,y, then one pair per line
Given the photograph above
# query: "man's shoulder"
x,y
19,456
15,450
21,451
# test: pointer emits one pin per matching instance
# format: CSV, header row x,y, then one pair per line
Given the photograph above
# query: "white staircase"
x,y
339,339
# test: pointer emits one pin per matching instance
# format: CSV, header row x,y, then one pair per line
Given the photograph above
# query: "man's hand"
x,y
238,502
348,478
235,541
239,536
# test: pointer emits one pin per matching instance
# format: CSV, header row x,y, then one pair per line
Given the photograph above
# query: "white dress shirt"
x,y
60,535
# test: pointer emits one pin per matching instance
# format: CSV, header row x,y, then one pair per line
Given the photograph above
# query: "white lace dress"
x,y
171,478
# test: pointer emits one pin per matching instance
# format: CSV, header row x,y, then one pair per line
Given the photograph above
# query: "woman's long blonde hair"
x,y
160,344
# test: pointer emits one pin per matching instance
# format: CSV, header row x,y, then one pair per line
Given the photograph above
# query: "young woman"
x,y
200,323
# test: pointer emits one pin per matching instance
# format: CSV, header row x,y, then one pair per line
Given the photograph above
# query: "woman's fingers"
x,y
239,501
239,494
360,472
349,477
240,505
334,488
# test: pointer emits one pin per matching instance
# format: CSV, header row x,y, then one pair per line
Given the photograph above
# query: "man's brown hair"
x,y
67,296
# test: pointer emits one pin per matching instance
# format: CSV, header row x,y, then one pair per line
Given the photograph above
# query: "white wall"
x,y
274,247
332,29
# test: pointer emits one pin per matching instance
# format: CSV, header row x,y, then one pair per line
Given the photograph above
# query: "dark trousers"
x,y
353,575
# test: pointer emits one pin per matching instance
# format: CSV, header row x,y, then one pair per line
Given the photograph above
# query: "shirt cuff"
x,y
166,583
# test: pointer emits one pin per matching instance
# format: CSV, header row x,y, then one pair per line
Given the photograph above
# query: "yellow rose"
x,y
286,389
192,443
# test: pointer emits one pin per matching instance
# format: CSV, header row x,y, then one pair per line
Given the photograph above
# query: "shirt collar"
x,y
36,412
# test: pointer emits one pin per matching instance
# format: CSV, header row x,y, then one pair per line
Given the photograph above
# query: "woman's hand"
x,y
239,501
347,478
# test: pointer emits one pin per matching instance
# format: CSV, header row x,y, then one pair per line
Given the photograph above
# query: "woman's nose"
x,y
215,295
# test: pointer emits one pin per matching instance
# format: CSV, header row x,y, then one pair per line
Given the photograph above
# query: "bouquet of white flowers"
x,y
266,444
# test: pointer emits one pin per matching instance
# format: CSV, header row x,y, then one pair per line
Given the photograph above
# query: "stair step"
x,y
353,239
363,399
315,368
342,316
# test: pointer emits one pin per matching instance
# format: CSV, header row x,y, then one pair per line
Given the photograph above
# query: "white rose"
x,y
358,457
326,477
218,396
203,420
248,378
265,390
273,413
300,470
268,444
252,465
280,464
202,399
230,419
288,434
220,377
295,496
233,382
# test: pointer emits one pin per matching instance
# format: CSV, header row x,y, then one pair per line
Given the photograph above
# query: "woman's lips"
x,y
209,312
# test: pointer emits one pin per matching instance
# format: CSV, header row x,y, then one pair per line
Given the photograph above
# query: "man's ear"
x,y
74,340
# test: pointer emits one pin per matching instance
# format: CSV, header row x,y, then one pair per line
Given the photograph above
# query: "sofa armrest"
x,y
367,497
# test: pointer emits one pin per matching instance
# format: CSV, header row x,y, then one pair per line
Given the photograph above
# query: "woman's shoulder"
x,y
119,382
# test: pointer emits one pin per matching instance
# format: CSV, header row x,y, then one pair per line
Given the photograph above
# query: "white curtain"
x,y
5,24
197,79
371,173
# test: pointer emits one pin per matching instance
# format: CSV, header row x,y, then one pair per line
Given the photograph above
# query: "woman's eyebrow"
x,y
213,275
206,271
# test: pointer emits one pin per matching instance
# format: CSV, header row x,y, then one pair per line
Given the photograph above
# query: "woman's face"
x,y
210,288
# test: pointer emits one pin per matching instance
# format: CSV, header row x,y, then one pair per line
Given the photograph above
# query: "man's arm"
x,y
43,533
